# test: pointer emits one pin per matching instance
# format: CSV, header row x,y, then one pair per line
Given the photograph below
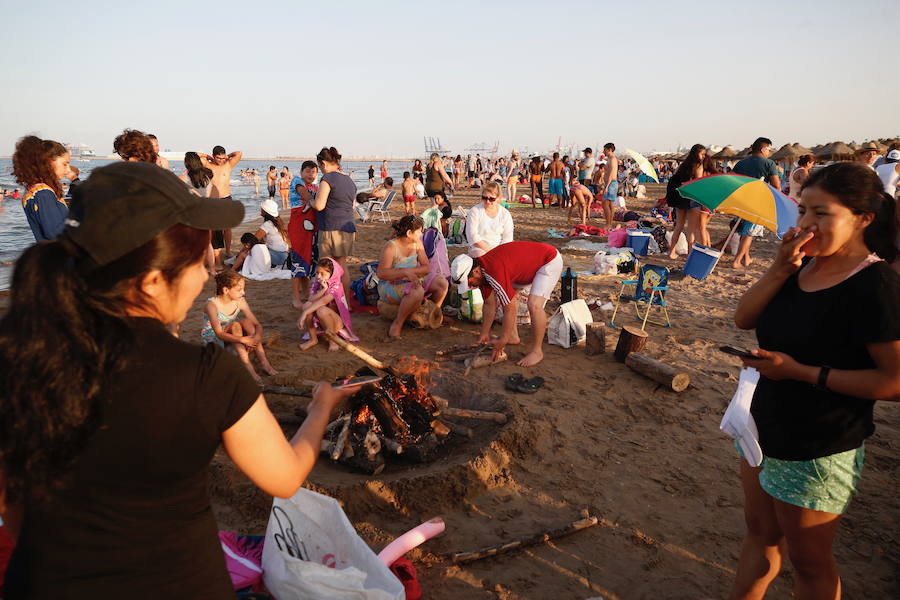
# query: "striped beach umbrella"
x,y
751,199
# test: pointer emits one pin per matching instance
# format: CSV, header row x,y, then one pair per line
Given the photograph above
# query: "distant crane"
x,y
433,144
483,147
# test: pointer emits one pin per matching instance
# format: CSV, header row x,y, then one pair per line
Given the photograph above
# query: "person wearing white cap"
x,y
499,274
273,232
889,172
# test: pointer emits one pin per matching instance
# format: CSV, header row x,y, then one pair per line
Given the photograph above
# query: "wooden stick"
x,y
484,415
531,540
341,441
460,349
632,339
391,445
285,390
483,361
460,429
660,372
359,353
475,360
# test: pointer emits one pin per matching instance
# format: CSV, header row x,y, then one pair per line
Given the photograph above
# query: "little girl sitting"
x,y
229,320
326,307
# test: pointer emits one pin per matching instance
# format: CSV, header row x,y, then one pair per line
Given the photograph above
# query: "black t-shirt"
x,y
796,420
673,198
134,518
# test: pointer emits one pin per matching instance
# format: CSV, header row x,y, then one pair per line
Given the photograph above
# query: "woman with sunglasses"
x,y
488,224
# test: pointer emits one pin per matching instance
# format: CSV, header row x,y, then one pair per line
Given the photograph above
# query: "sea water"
x,y
15,235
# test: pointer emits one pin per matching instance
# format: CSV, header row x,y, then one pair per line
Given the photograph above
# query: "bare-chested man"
x,y
608,184
161,161
557,190
272,181
221,165
581,198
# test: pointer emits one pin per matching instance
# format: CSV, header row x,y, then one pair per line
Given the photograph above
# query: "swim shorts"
x,y
336,243
825,484
747,228
299,267
556,187
409,199
271,191
611,191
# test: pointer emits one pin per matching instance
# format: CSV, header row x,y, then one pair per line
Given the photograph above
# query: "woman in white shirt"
x,y
488,224
273,232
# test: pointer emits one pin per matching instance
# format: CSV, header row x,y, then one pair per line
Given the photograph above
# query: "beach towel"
x,y
258,265
738,423
243,558
617,238
302,230
334,287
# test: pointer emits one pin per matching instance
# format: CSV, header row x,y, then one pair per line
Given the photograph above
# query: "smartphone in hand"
x,y
354,381
738,352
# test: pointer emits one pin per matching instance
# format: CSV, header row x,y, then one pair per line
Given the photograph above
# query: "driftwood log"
x,y
360,353
632,339
484,360
595,338
660,372
531,540
483,415
427,316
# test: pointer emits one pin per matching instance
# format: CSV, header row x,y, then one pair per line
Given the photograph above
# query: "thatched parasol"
x,y
815,149
881,147
801,150
742,153
724,154
786,152
853,146
835,151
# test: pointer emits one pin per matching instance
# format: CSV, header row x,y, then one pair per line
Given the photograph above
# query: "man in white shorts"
x,y
499,274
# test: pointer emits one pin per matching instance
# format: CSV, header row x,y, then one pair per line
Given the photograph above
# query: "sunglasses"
x,y
489,198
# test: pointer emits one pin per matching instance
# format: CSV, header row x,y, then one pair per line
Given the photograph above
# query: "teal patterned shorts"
x,y
825,484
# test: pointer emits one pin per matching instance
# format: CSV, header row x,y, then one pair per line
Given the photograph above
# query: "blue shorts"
x,y
612,191
299,267
747,228
278,258
556,187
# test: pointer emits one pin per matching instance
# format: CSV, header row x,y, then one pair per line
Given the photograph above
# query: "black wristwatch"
x,y
822,383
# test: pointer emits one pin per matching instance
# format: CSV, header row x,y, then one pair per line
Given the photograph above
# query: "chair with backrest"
x,y
380,206
647,292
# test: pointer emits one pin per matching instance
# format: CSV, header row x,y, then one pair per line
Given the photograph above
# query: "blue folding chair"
x,y
647,292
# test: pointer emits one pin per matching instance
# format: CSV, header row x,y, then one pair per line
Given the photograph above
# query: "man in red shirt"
x,y
500,274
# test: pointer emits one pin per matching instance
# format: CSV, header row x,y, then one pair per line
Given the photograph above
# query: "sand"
x,y
650,463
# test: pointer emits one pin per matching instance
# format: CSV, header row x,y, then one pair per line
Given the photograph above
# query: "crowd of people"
x,y
121,257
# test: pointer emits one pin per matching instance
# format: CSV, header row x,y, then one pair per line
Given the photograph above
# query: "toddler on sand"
x,y
230,321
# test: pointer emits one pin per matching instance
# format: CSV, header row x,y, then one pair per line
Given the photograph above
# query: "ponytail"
x,y
881,234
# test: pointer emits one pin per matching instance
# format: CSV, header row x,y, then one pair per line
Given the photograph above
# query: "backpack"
x,y
457,230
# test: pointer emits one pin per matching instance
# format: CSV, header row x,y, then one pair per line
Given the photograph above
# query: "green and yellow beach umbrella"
x,y
643,164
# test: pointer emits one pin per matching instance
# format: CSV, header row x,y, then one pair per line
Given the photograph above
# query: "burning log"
x,y
341,440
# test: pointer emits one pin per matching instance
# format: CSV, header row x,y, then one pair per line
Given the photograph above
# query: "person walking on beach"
x,y
334,203
536,171
372,176
272,181
161,161
799,175
758,166
818,384
499,274
221,164
556,190
690,168
418,171
608,186
436,176
39,166
105,466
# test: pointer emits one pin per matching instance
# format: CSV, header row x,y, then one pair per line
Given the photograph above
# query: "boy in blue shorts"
x,y
302,232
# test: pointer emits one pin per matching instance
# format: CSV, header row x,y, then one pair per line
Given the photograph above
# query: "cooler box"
x,y
639,241
701,261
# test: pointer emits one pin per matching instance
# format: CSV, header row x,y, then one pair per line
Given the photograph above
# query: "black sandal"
x,y
513,381
530,386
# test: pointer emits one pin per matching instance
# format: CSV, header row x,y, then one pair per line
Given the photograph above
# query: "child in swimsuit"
x,y
326,309
230,321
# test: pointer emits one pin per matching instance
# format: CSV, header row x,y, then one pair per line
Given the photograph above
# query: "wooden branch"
x,y
660,372
455,352
474,414
531,540
460,429
632,339
359,353
341,440
477,362
440,428
595,338
390,445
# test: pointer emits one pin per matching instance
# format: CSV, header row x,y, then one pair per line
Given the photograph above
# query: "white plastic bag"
x,y
682,246
569,325
605,264
738,423
312,552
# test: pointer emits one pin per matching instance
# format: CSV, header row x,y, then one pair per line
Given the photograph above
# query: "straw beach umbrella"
x,y
786,152
835,151
724,154
801,150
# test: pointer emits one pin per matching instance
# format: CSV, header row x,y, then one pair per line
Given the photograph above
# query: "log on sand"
x,y
531,540
660,372
632,339
427,316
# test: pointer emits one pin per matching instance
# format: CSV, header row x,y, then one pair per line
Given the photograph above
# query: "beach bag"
x,y
737,422
568,326
471,305
681,247
659,234
617,238
369,287
457,230
312,552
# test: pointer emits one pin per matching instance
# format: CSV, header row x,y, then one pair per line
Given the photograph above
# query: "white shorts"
x,y
546,277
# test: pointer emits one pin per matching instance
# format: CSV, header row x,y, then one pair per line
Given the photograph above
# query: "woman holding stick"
x,y
825,315
108,423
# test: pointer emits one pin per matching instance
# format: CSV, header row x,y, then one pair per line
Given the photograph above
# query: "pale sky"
x,y
373,78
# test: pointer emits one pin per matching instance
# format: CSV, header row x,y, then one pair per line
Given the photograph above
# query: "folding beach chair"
x,y
378,206
647,292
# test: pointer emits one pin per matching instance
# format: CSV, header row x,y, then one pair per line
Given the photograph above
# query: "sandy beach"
x,y
650,463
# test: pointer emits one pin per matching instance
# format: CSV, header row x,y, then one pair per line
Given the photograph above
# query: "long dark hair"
x,y
686,168
279,225
199,175
64,339
31,163
858,188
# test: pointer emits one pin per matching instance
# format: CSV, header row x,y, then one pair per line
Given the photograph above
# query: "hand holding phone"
x,y
738,352
355,381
